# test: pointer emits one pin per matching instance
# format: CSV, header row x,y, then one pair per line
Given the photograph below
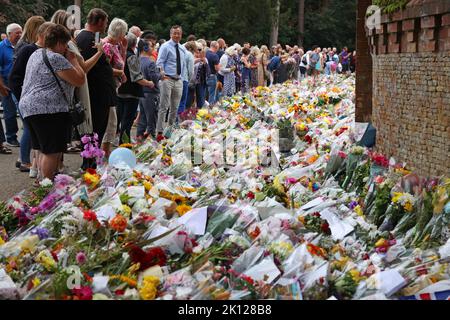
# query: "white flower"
x,y
46,183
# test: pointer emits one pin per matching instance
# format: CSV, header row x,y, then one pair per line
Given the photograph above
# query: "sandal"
x,y
5,150
74,150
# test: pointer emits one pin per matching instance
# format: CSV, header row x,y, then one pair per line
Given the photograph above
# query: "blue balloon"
x,y
122,156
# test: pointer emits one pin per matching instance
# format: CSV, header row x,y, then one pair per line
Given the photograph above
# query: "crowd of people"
x,y
130,77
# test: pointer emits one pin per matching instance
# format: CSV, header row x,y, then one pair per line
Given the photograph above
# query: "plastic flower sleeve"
x,y
249,258
221,219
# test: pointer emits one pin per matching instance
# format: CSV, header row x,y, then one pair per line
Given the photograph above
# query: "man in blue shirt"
x,y
213,61
171,60
14,32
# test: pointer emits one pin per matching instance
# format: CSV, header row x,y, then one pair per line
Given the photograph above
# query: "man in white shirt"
x,y
171,61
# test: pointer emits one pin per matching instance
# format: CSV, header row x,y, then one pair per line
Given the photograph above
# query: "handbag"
x,y
76,110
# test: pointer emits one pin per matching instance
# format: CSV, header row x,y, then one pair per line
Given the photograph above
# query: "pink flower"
x,y
81,258
83,293
291,180
342,155
85,139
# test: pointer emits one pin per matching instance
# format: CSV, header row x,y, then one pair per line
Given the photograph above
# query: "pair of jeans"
x,y
25,140
148,107
184,96
10,117
126,113
211,83
200,90
170,97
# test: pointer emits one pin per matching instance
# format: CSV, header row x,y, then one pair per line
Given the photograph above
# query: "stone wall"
x,y
411,86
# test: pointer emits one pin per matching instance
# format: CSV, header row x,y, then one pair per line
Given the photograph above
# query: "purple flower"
x,y
63,180
67,198
353,205
81,258
42,233
48,203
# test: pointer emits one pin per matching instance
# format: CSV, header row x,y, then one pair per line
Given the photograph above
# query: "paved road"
x,y
13,181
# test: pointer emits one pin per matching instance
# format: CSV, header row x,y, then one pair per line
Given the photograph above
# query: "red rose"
x,y
250,195
325,228
154,256
91,171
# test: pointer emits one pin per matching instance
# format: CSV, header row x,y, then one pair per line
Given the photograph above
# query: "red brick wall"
x,y
363,103
411,86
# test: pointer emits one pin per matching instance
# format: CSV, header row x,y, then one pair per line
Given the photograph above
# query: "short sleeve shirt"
x,y
213,60
41,94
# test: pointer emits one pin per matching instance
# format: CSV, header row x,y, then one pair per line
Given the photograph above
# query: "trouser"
x,y
302,72
211,83
111,128
171,91
184,95
100,117
149,114
200,90
10,117
191,95
126,114
25,140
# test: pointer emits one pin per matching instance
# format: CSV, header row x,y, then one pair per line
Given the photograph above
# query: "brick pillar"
x,y
363,66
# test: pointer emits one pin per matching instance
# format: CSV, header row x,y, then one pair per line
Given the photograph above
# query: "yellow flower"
x,y
408,207
29,244
396,197
126,210
356,275
2,242
147,185
91,179
148,289
36,282
183,209
380,243
359,211
134,268
277,184
341,263
46,260
126,145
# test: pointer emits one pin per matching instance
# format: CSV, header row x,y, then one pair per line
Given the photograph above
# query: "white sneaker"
x,y
33,173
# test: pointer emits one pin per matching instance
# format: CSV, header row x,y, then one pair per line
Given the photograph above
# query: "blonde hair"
x,y
203,42
60,17
265,50
255,51
191,46
30,30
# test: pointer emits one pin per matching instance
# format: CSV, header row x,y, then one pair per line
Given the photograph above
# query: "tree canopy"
x,y
327,22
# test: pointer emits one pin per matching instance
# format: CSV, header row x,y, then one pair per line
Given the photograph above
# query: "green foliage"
x,y
390,6
327,23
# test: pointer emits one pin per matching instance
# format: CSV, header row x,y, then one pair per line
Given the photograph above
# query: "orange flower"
x,y
119,223
316,251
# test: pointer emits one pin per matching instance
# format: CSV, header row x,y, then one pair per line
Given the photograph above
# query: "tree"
x,y
321,22
275,23
301,22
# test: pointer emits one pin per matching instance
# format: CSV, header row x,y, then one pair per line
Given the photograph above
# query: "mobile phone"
x,y
97,38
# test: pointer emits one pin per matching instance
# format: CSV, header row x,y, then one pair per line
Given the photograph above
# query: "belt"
x,y
173,78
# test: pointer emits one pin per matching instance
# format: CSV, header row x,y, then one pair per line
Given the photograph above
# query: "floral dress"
x,y
238,71
115,59
253,71
229,85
